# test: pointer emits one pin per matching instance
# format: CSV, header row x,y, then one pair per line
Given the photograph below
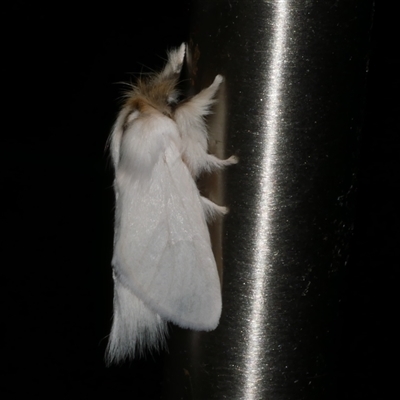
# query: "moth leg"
x,y
176,57
212,210
209,93
175,62
189,118
212,162
200,104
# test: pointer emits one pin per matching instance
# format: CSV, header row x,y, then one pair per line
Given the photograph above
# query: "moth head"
x,y
160,95
160,89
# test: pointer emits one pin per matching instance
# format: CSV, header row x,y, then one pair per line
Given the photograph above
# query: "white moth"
x,y
163,265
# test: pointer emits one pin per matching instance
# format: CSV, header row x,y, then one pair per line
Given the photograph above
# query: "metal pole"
x,y
291,109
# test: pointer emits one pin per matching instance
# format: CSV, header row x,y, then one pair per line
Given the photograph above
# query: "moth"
x,y
163,265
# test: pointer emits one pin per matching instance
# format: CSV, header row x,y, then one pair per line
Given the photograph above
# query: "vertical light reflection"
x,y
255,369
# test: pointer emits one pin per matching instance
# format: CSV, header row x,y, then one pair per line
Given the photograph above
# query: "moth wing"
x,y
163,250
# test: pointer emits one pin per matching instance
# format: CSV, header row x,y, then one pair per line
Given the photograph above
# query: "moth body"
x,y
163,265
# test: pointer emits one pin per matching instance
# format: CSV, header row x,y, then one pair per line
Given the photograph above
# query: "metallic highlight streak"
x,y
255,371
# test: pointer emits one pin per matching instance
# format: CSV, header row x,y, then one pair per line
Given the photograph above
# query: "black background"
x,y
62,65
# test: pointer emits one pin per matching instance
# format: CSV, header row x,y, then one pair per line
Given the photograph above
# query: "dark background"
x,y
62,65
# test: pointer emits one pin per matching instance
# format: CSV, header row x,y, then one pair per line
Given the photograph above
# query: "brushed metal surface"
x,y
291,109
